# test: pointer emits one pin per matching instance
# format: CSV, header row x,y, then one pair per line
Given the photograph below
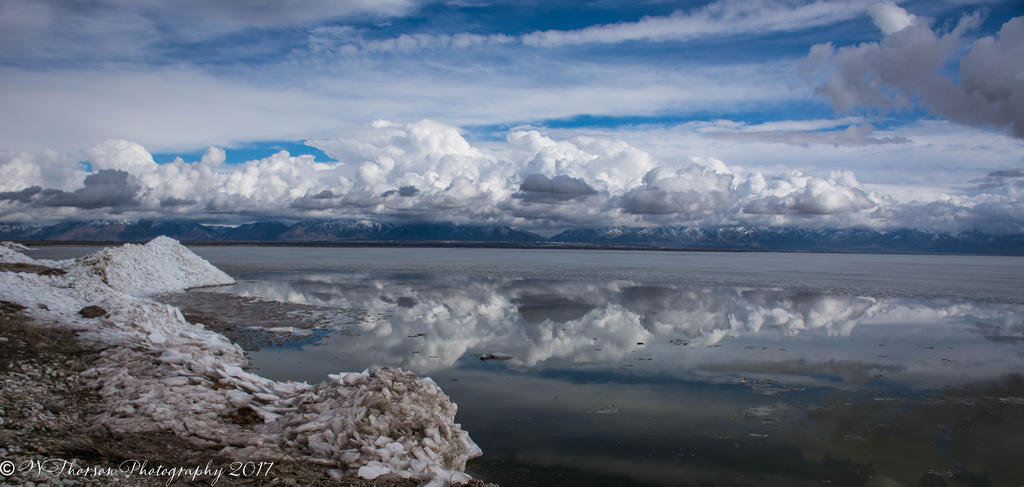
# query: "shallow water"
x,y
666,368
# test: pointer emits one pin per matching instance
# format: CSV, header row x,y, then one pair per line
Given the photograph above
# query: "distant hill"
x,y
346,230
668,237
793,238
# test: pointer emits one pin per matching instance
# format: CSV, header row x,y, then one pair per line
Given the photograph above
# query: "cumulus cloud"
x,y
607,164
121,155
427,171
907,68
692,191
46,168
799,194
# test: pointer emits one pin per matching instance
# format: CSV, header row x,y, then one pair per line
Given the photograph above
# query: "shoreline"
x,y
158,380
503,245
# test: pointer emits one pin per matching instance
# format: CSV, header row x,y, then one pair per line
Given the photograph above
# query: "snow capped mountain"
x,y
740,237
795,238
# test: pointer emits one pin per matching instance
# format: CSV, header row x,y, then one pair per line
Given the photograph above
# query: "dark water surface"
x,y
663,368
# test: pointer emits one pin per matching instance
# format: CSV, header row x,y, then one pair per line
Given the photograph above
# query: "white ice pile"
x,y
160,373
11,255
162,265
13,246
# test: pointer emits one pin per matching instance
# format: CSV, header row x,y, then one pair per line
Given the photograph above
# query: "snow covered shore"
x,y
159,373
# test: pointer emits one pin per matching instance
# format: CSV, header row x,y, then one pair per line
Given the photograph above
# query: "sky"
x,y
543,115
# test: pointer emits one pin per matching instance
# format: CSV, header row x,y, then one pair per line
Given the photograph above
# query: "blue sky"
x,y
817,113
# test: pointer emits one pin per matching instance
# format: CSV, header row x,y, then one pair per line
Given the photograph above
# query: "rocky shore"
x,y
125,392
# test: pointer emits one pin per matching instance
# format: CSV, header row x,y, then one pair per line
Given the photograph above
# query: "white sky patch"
x,y
162,108
135,30
185,108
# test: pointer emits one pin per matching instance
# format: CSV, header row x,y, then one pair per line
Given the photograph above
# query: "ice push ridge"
x,y
161,373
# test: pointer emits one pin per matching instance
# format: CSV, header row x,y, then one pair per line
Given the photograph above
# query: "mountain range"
x,y
666,237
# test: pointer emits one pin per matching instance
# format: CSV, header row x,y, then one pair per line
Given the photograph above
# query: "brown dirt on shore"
x,y
33,268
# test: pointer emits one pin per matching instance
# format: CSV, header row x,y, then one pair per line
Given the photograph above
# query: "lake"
x,y
661,368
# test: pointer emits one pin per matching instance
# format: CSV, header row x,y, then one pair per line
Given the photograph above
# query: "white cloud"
x,y
798,194
428,171
123,155
46,168
933,156
889,17
608,164
854,135
720,18
717,19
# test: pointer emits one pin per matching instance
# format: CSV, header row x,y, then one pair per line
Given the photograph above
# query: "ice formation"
x,y
161,373
13,246
9,254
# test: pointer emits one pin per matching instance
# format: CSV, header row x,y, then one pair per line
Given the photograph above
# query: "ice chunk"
x,y
373,470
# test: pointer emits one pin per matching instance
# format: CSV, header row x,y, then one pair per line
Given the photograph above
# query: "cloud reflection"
x,y
429,323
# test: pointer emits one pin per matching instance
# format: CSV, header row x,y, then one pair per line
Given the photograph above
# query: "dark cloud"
x,y
907,67
539,308
107,188
1008,182
323,200
174,202
404,192
997,216
538,188
360,199
1009,173
23,196
649,201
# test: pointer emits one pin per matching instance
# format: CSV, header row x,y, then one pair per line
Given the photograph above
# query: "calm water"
x,y
664,368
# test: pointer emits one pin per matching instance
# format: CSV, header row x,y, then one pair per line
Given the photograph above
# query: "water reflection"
x,y
429,323
620,382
